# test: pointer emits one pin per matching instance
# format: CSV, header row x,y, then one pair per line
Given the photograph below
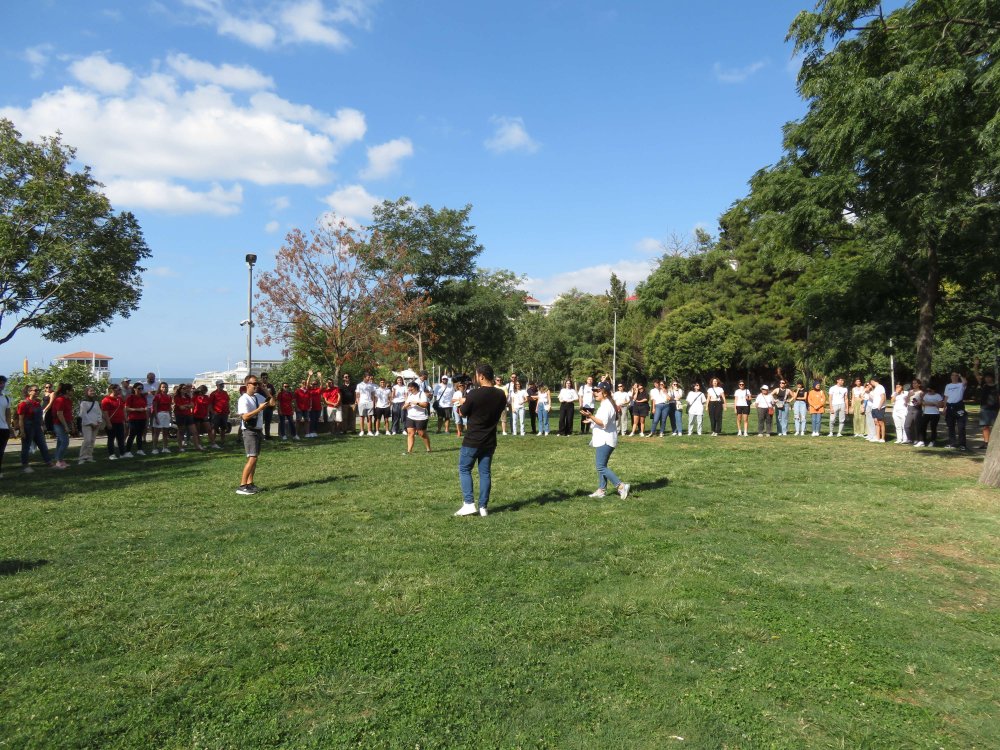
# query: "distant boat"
x,y
235,375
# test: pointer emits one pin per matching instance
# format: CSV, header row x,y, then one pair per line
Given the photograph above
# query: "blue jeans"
x,y
543,420
659,418
817,420
604,474
800,416
672,416
62,441
467,458
33,435
782,415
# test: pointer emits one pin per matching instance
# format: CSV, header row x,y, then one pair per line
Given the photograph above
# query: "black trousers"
x,y
533,415
715,415
956,418
136,433
116,434
566,418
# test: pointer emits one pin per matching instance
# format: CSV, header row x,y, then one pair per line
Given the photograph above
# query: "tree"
x,y
68,264
78,375
335,297
899,152
439,253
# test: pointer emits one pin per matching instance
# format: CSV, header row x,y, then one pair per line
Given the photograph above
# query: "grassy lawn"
x,y
788,592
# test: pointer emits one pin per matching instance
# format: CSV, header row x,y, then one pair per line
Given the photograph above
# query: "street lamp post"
x,y
251,259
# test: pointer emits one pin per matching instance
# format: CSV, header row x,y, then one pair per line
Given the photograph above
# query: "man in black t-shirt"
x,y
482,409
347,396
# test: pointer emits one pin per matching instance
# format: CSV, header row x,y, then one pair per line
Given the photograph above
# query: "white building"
x,y
99,364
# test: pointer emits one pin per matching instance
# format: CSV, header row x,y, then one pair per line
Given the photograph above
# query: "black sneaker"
x,y
254,489
244,489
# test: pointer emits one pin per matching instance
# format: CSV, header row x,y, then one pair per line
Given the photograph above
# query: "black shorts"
x,y
878,414
416,424
743,410
443,412
382,413
183,420
219,421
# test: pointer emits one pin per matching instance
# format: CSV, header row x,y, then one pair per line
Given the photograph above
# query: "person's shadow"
x,y
558,497
11,567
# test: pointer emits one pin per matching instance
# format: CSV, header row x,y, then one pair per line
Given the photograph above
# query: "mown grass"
x,y
788,592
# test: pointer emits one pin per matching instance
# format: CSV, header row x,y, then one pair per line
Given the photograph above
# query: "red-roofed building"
x,y
99,364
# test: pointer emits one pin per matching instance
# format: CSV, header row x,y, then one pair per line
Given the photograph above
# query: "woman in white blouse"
x,y
604,438
696,408
567,399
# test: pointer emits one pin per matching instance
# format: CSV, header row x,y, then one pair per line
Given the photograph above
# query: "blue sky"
x,y
583,133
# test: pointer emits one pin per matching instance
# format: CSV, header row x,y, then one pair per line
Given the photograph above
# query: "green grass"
x,y
789,592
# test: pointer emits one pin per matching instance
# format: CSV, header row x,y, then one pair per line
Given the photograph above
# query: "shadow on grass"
x,y
558,497
52,484
298,484
11,567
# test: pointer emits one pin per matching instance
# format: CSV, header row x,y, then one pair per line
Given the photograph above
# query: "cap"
x,y
765,388
220,381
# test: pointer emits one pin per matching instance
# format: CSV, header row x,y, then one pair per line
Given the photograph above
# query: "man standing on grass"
x,y
250,409
838,407
482,409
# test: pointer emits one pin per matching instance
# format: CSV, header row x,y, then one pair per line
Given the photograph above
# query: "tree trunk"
x,y
420,351
990,475
928,295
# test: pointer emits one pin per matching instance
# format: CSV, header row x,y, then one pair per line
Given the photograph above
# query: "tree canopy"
x,y
68,263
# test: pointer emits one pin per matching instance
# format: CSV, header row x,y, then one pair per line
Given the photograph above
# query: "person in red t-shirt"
x,y
136,410
62,422
315,404
218,402
286,412
331,407
162,403
184,417
31,422
201,407
302,406
113,408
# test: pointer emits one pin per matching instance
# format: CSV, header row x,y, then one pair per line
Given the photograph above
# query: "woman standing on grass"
x,y
931,406
816,398
696,408
716,396
399,393
417,415
62,422
800,407
113,408
457,399
162,404
567,399
91,420
604,439
544,406
899,409
135,413
30,420
4,420
858,408
640,410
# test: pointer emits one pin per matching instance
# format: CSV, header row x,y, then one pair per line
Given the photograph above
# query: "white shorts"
x,y
162,420
365,410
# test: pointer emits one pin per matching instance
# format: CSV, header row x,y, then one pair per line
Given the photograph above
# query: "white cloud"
x,y
352,202
347,126
737,75
307,21
98,73
593,279
280,203
163,272
160,195
240,77
271,227
37,57
649,245
383,160
510,135
262,25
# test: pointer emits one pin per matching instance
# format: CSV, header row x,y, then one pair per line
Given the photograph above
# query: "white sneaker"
x,y
623,489
599,493
155,451
371,434
127,454
295,437
918,444
483,512
112,457
28,470
284,438
165,450
140,453
467,509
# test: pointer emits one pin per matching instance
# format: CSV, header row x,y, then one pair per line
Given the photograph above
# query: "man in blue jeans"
x,y
482,409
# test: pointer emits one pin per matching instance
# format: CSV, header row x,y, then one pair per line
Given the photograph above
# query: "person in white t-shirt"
x,y
586,395
604,438
741,402
839,406
443,394
899,410
931,404
622,397
567,400
955,416
716,396
876,407
383,412
417,409
518,401
365,396
399,392
658,403
675,408
250,409
765,411
695,400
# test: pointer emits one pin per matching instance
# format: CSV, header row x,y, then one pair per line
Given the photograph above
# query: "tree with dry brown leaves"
x,y
337,297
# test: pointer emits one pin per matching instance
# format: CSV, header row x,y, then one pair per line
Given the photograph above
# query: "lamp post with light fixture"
x,y
251,259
